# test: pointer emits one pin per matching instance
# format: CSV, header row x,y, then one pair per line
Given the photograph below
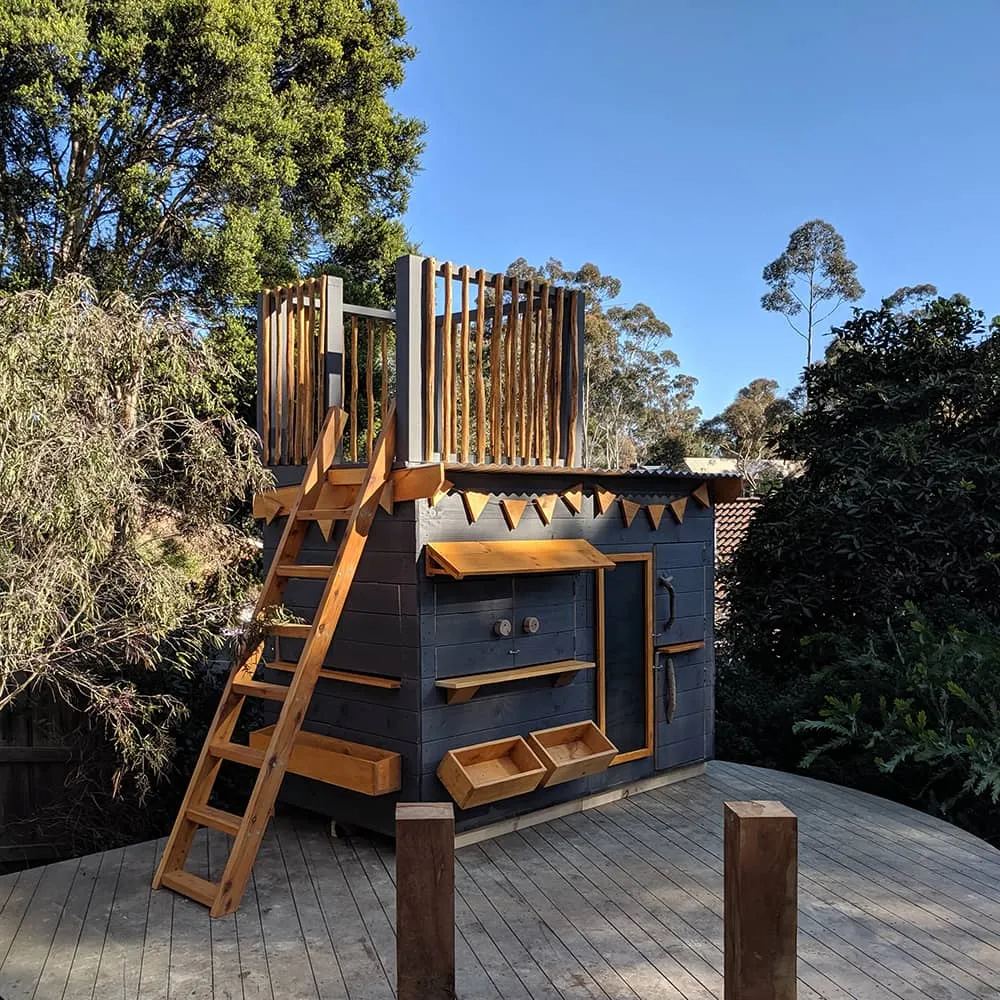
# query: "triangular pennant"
x,y
512,511
678,507
546,506
701,495
474,504
573,498
440,494
654,511
629,510
603,499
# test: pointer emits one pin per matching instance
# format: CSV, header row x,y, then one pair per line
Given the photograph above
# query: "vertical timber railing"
x,y
316,351
489,367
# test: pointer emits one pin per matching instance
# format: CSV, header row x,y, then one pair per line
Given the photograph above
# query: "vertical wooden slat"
x,y
525,384
265,378
300,371
480,381
290,372
370,384
308,402
510,417
447,365
463,273
574,378
557,340
279,376
430,356
353,425
496,341
384,343
541,372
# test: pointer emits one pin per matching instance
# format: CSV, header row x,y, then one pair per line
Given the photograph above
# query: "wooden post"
x,y
761,901
263,374
409,361
425,901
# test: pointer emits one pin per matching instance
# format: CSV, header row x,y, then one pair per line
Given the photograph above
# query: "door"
x,y
625,654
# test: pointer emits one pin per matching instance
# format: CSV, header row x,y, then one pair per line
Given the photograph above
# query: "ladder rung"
x,y
325,514
249,756
261,689
290,631
304,572
193,886
217,819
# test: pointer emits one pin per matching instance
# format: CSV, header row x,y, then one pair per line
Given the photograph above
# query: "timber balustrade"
x,y
485,368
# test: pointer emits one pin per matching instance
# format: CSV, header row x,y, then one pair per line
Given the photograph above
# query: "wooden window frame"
x,y
600,658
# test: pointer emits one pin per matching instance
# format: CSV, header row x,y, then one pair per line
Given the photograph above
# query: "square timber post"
x,y
409,360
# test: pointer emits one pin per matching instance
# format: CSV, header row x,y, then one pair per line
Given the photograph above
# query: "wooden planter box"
x,y
360,768
572,751
487,772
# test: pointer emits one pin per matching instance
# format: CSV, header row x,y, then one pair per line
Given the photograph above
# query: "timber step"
x,y
249,756
290,631
193,886
325,514
304,571
261,689
217,819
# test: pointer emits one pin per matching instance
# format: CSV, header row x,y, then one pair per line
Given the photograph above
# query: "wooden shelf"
x,y
345,676
574,751
557,555
461,689
360,768
487,772
681,647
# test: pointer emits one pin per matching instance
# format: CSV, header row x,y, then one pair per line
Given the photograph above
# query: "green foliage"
x,y
897,508
813,271
637,409
918,716
199,149
748,429
120,472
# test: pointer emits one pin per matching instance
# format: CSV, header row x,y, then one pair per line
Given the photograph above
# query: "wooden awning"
x,y
558,555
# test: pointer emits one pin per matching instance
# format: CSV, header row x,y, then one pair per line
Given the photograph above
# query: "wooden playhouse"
x,y
468,612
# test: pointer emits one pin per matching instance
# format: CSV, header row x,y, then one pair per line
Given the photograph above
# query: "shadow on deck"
x,y
623,901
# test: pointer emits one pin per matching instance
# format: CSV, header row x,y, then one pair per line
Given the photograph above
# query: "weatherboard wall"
x,y
400,623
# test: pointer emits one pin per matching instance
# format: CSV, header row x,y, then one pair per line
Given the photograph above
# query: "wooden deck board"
x,y
617,903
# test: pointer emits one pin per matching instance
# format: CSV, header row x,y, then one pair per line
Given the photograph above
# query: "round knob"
x,y
503,628
531,625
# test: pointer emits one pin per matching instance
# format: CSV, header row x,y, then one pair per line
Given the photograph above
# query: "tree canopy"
x,y
120,470
199,148
813,272
749,427
894,526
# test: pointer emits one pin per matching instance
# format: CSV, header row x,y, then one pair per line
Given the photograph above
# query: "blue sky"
x,y
677,144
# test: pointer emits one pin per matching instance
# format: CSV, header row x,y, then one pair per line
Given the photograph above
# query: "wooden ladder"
x,y
247,830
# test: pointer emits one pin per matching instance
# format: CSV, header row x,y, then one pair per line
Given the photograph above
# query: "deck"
x,y
620,902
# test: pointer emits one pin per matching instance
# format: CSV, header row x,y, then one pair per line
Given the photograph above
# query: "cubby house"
x,y
525,593
468,612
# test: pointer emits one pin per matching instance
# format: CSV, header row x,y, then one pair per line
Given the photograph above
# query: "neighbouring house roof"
x,y
731,523
722,466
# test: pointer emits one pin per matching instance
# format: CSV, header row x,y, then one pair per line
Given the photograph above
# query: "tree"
x,y
122,564
748,429
635,406
199,149
895,514
813,271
